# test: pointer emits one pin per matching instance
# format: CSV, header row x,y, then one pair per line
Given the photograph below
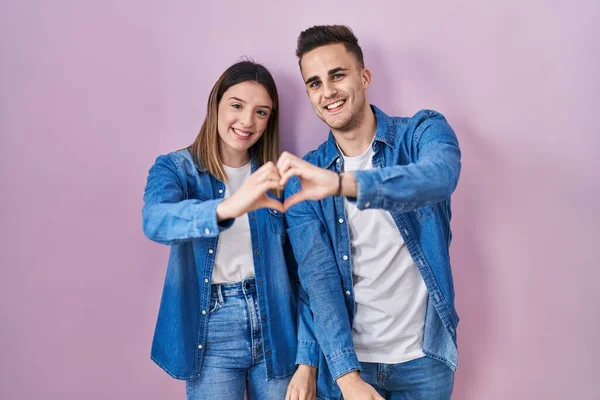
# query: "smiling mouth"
x,y
241,134
333,107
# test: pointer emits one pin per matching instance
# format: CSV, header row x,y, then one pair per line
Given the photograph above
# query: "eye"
x,y
314,84
338,76
262,113
237,106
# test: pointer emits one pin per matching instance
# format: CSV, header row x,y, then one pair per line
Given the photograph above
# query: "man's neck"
x,y
355,142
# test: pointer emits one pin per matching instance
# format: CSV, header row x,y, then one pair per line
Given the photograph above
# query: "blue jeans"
x,y
422,379
234,360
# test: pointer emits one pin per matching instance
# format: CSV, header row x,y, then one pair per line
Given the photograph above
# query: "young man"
x,y
369,221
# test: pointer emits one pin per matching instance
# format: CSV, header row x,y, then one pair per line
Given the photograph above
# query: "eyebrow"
x,y
243,101
329,73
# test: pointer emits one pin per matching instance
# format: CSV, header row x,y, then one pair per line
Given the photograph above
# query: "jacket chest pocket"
x,y
194,193
277,222
198,186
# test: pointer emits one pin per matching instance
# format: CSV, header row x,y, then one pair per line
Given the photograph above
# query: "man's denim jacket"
x,y
416,165
180,211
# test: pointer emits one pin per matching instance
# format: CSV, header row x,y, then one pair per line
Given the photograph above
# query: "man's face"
x,y
336,86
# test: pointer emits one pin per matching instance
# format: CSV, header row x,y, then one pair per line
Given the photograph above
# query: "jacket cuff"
x,y
308,354
208,225
368,190
343,362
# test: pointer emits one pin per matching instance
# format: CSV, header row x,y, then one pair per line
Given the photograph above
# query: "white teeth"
x,y
241,133
335,105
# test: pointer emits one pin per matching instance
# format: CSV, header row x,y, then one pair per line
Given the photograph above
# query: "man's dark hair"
x,y
322,35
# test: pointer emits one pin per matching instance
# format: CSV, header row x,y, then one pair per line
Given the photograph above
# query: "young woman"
x,y
227,319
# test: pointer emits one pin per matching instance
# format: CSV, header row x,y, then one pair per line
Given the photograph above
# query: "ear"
x,y
366,78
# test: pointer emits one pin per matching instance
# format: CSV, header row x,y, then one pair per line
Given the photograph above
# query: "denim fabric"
x,y
234,358
420,379
416,166
180,211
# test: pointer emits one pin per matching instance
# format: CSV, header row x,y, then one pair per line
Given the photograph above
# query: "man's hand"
x,y
317,183
354,388
303,385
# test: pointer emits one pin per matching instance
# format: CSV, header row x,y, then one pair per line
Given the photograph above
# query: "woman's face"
x,y
243,115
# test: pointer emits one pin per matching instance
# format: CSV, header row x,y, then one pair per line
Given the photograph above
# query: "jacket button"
x,y
260,283
199,347
348,293
268,352
345,257
264,318
210,251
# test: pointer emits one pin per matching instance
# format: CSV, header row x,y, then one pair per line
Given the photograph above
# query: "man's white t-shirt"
x,y
390,294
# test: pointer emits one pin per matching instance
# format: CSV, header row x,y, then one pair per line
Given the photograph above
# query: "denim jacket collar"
x,y
383,133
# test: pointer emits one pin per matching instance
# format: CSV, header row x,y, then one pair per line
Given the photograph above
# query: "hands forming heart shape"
x,y
317,183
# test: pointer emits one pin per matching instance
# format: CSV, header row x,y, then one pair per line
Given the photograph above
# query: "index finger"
x,y
288,158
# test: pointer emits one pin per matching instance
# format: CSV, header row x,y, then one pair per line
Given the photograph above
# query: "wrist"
x,y
308,369
338,192
224,210
348,379
333,183
348,185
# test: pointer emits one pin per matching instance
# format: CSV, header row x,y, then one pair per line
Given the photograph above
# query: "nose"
x,y
329,90
246,118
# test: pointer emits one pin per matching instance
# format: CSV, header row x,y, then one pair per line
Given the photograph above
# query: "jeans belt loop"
x,y
220,294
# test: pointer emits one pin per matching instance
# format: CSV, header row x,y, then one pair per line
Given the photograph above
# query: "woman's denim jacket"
x,y
180,211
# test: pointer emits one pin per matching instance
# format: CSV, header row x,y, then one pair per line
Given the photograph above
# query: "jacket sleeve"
x,y
323,313
167,217
430,179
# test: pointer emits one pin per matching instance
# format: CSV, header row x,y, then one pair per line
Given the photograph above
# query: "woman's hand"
x,y
253,194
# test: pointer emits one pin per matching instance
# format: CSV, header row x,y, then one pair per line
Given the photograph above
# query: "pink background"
x,y
92,92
